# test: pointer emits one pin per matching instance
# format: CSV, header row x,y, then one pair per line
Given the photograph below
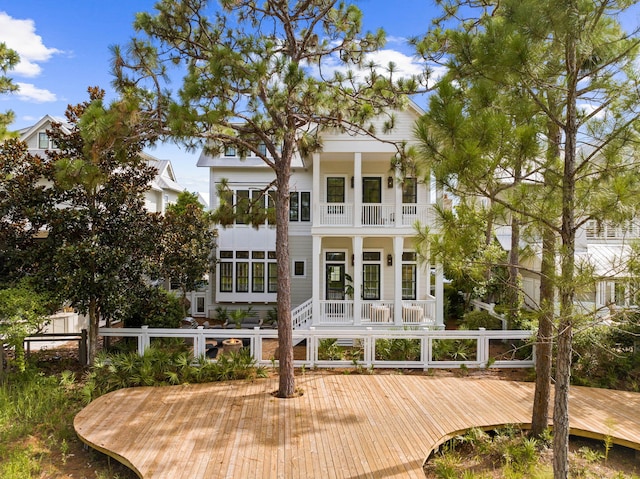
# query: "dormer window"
x,y
229,151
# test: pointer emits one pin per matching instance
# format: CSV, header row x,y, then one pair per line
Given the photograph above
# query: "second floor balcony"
x,y
373,215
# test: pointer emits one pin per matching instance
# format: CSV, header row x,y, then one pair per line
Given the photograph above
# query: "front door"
x,y
335,281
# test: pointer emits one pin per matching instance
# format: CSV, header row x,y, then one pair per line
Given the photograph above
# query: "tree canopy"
x,y
574,68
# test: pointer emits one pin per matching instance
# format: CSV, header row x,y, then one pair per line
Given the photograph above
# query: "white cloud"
x,y
20,35
29,92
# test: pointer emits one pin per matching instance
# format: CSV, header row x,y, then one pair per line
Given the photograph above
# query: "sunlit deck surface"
x,y
344,426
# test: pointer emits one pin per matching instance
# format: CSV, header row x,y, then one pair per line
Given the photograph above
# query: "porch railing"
x,y
414,312
428,348
336,312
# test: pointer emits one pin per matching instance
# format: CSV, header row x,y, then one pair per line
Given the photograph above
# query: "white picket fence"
x,y
366,340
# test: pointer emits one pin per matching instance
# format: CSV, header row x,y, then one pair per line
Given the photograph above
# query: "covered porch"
x,y
375,281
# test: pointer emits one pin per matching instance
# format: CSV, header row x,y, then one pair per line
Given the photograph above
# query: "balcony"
x,y
373,215
611,231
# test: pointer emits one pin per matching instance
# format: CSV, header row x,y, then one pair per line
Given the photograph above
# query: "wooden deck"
x,y
344,426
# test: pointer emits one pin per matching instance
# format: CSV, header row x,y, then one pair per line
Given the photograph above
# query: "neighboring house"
x,y
351,237
603,249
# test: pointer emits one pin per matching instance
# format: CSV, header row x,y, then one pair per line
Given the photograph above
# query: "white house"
x,y
601,247
351,243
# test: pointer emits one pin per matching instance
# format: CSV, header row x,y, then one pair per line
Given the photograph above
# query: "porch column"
x,y
398,199
398,246
357,279
439,295
315,282
315,191
357,190
439,279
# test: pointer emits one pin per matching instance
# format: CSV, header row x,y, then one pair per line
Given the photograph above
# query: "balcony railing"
x,y
610,231
374,215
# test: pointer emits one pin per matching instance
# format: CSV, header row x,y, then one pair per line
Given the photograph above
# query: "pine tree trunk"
x,y
544,342
286,388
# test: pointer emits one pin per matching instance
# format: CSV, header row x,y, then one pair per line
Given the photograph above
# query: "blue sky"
x,y
64,48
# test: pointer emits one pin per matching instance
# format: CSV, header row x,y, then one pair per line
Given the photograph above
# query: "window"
x,y
43,141
242,206
409,275
298,268
229,151
371,275
257,277
335,190
409,191
273,277
262,149
226,277
300,206
294,205
305,206
242,277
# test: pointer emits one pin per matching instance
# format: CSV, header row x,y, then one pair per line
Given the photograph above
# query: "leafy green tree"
x,y
23,312
24,203
187,242
574,63
255,81
102,241
8,60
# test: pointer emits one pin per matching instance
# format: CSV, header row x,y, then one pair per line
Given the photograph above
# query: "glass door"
x,y
335,281
371,199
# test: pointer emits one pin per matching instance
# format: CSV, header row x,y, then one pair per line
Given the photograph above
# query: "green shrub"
x,y
161,366
329,350
399,349
156,308
454,349
480,319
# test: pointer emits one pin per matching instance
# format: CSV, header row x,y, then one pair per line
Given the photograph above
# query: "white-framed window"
x,y
229,150
43,140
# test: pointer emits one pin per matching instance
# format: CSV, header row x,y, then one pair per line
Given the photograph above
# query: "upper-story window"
x,y
300,206
335,189
409,190
229,151
43,140
262,149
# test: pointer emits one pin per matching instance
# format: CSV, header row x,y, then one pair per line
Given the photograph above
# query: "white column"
x,y
398,246
357,189
398,199
316,273
357,279
439,295
315,190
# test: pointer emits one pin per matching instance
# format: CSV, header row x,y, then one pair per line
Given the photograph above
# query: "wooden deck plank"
x,y
342,427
